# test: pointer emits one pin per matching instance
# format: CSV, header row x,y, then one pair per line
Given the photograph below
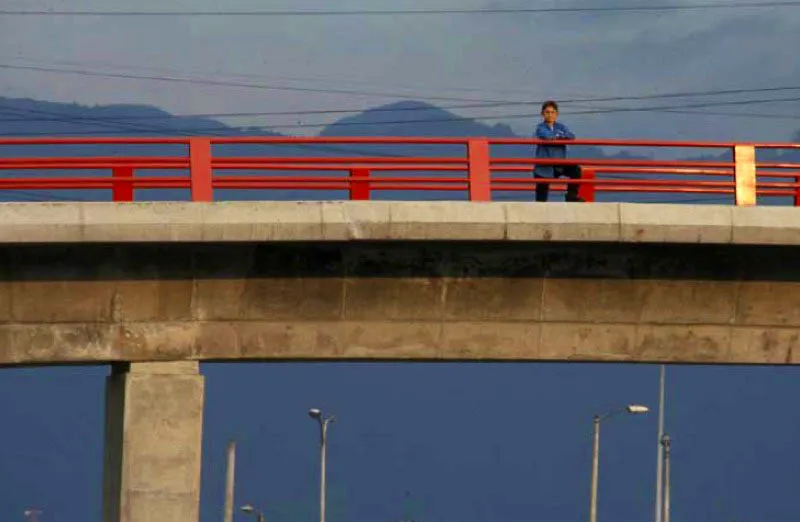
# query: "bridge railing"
x,y
475,167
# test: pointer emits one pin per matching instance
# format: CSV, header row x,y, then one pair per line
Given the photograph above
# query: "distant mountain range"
x,y
412,118
26,117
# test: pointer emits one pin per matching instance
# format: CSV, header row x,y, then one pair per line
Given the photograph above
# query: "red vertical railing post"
x,y
587,190
745,172
200,169
359,184
122,184
479,173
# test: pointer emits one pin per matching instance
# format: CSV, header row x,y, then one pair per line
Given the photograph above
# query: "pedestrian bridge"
x,y
153,288
136,279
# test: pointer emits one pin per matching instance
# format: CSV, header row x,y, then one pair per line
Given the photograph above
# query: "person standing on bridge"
x,y
550,129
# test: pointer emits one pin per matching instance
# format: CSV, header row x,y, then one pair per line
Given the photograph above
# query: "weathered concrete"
x,y
154,288
154,422
400,221
446,300
135,284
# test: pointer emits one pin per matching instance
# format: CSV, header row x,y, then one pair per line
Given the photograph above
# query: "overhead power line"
x,y
693,105
123,125
406,109
249,75
127,123
56,115
167,116
328,81
415,12
663,108
403,96
757,115
120,126
229,83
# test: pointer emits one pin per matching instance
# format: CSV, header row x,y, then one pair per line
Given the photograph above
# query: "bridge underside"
x,y
408,300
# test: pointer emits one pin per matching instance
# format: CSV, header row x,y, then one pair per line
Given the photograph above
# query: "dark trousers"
x,y
569,171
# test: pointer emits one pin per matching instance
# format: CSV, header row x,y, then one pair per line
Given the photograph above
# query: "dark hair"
x,y
549,103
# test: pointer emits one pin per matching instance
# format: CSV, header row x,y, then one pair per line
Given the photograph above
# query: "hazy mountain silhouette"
x,y
413,118
27,117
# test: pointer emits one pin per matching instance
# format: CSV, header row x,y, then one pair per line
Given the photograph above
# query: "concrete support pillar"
x,y
153,438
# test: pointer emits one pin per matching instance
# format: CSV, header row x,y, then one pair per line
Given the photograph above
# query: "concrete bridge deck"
x,y
99,283
396,221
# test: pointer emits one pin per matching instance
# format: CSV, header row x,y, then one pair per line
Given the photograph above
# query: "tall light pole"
x,y
666,441
250,510
323,421
633,409
660,447
230,481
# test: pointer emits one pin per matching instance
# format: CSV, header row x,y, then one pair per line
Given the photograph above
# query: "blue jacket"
x,y
558,132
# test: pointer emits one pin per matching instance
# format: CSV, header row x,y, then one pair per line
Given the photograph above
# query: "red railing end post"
x,y
744,157
479,174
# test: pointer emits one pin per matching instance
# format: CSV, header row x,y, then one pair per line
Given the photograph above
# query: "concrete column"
x,y
153,438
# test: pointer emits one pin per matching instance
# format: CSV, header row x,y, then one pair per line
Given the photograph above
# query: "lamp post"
x,y
229,481
250,510
323,421
660,456
666,441
633,409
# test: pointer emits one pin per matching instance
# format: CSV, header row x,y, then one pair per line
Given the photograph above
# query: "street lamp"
x,y
323,421
633,409
32,514
250,510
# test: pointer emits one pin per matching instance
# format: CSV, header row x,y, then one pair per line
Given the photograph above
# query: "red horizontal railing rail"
x,y
477,170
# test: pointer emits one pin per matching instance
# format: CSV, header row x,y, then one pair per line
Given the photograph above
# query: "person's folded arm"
x,y
565,134
543,132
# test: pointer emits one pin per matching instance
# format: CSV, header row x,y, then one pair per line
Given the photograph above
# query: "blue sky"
x,y
522,58
437,442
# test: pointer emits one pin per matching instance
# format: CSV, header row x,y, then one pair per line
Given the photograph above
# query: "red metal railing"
x,y
478,170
